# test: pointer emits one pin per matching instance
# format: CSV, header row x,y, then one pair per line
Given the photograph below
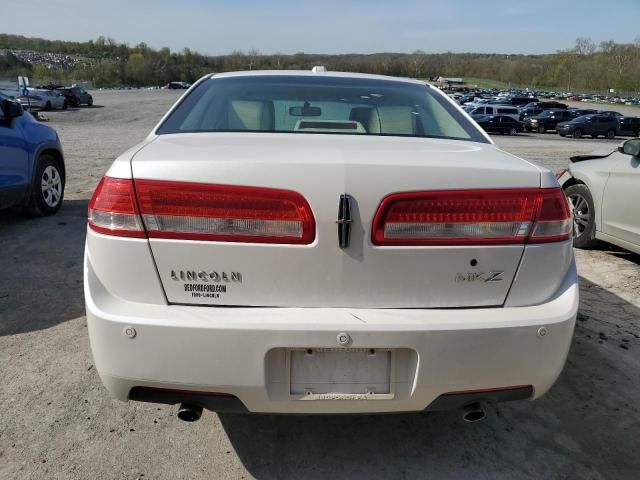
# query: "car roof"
x,y
308,73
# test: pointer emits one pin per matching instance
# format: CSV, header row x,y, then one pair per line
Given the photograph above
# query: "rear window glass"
x,y
318,104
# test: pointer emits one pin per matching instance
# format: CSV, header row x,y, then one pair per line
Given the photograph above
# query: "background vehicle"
x,y
493,110
547,120
32,170
610,114
578,112
526,112
604,194
593,125
521,101
372,222
547,105
70,99
78,96
629,126
499,124
43,100
177,86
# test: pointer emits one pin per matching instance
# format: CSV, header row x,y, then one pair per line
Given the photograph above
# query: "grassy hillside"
x,y
584,67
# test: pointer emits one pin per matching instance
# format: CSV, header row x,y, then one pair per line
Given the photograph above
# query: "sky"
x,y
332,26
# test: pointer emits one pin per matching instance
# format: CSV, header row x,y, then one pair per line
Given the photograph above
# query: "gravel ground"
x,y
58,422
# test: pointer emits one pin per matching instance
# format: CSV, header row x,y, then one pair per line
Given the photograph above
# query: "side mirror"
x,y
631,147
11,110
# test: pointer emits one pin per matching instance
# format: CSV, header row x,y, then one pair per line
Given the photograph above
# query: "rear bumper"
x,y
239,351
38,104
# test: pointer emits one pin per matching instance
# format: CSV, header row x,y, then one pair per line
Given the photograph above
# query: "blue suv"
x,y
32,172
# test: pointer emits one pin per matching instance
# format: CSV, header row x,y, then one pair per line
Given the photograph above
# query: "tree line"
x,y
583,67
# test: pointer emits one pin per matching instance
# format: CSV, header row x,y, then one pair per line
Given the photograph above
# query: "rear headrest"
x,y
362,115
250,115
392,120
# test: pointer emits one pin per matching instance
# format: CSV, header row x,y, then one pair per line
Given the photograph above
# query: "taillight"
x,y
112,209
195,211
473,217
553,219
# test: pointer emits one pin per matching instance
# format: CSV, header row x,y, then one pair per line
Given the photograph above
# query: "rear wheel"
x,y
47,106
577,133
65,105
581,203
48,187
513,131
611,134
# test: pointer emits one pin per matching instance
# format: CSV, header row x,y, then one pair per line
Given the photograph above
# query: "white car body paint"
x,y
446,336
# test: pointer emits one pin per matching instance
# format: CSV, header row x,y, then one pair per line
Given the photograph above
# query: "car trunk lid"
x,y
323,169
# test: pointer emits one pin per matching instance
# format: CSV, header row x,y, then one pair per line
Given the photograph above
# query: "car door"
x,y
558,117
621,201
607,123
591,125
491,125
14,162
506,124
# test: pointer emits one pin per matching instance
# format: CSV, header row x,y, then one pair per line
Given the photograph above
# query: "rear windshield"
x,y
308,104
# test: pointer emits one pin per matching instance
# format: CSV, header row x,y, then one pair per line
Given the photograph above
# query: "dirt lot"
x,y
57,421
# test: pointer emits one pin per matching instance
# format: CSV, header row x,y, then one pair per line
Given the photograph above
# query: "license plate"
x,y
352,373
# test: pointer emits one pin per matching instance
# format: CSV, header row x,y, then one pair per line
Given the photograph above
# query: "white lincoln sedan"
x,y
315,242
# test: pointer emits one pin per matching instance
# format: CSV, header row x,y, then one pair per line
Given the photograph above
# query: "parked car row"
x,y
519,97
565,121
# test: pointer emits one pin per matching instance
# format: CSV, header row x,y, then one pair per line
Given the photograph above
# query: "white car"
x,y
43,100
317,242
505,110
604,192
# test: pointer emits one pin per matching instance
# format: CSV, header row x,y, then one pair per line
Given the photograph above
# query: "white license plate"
x,y
318,373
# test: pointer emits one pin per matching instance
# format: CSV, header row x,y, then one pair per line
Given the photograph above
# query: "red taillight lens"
x,y
472,217
112,209
553,220
195,211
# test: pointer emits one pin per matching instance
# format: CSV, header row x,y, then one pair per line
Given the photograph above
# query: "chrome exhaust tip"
x,y
473,413
189,413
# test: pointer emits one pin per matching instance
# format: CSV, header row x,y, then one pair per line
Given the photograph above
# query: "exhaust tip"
x,y
473,413
189,413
